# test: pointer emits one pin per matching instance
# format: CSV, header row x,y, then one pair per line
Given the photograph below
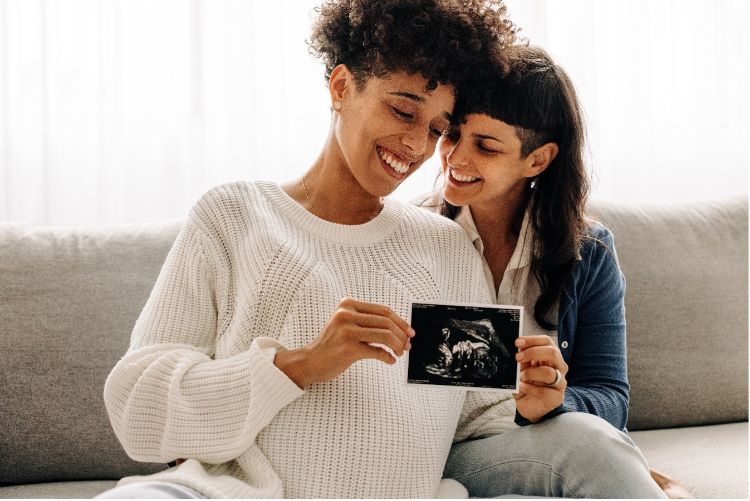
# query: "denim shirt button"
x,y
564,344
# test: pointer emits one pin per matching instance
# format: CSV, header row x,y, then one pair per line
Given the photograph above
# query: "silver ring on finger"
x,y
558,378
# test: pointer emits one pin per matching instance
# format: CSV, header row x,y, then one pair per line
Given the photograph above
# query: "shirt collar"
x,y
521,255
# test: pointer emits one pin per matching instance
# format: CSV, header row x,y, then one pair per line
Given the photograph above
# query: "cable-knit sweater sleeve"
x,y
168,397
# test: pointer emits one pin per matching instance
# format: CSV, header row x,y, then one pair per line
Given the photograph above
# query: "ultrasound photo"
x,y
472,346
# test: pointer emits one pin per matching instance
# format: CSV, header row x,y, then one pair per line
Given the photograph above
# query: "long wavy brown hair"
x,y
530,92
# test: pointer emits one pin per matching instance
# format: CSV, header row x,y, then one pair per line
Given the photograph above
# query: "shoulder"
x,y
598,242
427,218
225,208
598,266
598,231
228,199
430,204
227,195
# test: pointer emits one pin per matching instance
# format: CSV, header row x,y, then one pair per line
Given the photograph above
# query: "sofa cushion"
x,y
711,461
686,309
57,490
68,303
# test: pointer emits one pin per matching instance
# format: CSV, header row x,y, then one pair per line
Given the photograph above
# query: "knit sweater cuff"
x,y
273,387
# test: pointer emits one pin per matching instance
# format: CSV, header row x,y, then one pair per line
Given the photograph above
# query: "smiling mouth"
x,y
394,163
462,178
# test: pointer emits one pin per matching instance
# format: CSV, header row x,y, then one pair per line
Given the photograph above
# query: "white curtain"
x,y
664,84
117,111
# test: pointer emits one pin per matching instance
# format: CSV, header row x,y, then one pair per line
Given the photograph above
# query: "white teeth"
x,y
462,178
396,165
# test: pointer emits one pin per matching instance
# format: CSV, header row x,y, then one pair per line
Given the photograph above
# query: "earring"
x,y
337,105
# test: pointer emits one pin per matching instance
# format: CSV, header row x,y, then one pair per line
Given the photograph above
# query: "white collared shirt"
x,y
519,286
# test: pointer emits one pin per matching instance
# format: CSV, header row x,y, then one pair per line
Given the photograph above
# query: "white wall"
x,y
115,111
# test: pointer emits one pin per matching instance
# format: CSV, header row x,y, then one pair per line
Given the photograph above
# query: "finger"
x,y
383,311
378,336
376,353
545,355
542,375
528,363
530,390
529,341
380,322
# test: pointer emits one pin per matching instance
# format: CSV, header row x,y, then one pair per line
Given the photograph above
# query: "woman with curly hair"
x,y
269,353
514,178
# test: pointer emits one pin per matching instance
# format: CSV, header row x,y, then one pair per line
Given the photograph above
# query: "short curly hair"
x,y
443,40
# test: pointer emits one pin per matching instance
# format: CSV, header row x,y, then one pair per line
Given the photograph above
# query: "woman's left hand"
x,y
539,357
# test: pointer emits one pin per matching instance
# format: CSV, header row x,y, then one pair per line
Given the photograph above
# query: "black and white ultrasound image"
x,y
464,346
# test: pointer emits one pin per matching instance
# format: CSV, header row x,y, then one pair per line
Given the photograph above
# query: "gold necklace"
x,y
307,195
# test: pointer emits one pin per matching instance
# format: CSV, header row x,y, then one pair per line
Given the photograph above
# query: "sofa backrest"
x,y
686,310
69,299
68,303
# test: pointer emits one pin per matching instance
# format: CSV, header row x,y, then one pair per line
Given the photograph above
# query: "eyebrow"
x,y
485,136
418,99
409,95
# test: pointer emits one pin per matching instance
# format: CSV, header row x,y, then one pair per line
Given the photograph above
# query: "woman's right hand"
x,y
354,327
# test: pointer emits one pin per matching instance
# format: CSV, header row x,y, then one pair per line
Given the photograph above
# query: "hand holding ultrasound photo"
x,y
465,345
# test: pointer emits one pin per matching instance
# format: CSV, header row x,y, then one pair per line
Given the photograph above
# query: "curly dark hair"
x,y
440,39
533,94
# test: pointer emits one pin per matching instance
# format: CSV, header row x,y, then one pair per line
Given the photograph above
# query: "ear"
x,y
540,159
340,83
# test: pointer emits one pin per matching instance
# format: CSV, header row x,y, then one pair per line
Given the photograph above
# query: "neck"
x,y
499,221
499,224
330,191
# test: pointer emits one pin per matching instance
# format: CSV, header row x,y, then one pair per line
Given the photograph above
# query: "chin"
x,y
377,187
454,200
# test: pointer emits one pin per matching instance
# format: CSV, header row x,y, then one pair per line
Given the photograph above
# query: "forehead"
x,y
479,123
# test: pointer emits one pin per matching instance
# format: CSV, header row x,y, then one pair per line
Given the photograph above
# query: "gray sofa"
x,y
69,298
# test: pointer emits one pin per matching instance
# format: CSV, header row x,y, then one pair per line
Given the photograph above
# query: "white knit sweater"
x,y
252,273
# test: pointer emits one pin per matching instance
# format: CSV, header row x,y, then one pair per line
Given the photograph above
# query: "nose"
x,y
456,157
416,141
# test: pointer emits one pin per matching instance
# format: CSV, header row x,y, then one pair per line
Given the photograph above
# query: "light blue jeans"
x,y
573,454
151,490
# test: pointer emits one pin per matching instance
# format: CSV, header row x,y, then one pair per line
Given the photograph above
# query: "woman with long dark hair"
x,y
514,178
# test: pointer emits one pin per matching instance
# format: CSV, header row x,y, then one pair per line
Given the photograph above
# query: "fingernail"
x,y
520,342
519,356
412,332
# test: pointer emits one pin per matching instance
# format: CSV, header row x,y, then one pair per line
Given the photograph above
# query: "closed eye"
x,y
485,149
402,115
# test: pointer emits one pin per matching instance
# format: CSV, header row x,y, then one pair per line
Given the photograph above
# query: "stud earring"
x,y
337,105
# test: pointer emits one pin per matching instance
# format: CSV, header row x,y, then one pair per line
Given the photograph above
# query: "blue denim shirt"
x,y
591,334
